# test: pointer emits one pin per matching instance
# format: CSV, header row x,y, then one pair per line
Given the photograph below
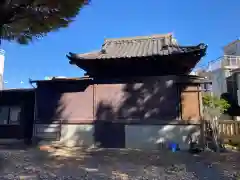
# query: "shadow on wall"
x,y
144,101
55,108
143,104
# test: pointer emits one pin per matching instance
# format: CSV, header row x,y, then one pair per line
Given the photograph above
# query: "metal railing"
x,y
225,61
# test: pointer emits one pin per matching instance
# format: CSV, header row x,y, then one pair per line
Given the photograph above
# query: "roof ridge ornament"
x,y
103,51
202,46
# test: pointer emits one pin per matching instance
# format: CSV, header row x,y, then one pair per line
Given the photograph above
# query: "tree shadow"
x,y
145,106
61,108
153,101
137,102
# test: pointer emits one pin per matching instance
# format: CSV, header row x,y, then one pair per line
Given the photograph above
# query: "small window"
x,y
4,112
206,87
10,115
14,115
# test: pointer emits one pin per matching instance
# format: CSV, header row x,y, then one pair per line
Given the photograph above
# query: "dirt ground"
x,y
33,164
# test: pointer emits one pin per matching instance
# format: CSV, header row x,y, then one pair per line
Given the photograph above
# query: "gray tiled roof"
x,y
142,46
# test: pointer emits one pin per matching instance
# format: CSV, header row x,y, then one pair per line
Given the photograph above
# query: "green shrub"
x,y
214,102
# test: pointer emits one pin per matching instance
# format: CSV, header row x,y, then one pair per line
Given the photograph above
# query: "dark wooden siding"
x,y
25,100
47,102
64,102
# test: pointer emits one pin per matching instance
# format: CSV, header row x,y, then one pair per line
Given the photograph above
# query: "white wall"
x,y
70,135
219,83
152,136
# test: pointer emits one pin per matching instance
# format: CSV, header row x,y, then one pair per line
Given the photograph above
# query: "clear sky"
x,y
214,22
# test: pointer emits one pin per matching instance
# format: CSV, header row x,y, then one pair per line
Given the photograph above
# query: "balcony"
x,y
228,62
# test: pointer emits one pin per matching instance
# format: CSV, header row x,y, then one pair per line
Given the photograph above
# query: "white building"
x,y
222,68
219,70
233,48
224,72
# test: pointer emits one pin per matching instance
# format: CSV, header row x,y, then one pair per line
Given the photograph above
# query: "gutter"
x,y
60,80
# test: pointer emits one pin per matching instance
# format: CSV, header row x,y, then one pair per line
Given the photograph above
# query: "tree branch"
x,y
20,12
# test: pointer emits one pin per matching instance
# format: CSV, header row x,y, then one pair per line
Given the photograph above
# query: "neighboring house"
x,y
232,49
219,70
137,94
222,73
16,113
222,68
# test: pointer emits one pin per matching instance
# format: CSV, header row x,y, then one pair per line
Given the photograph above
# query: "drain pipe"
x,y
34,133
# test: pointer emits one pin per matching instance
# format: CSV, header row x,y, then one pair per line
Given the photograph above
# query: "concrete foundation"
x,y
66,135
152,137
157,136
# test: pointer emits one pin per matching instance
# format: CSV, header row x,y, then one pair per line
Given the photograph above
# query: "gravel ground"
x,y
33,164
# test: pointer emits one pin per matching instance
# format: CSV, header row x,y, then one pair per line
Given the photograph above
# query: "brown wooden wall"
x,y
158,98
77,106
142,99
190,102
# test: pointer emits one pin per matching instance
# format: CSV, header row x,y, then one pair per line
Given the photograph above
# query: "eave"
x,y
178,63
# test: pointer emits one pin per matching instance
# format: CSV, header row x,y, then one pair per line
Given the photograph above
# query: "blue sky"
x,y
214,22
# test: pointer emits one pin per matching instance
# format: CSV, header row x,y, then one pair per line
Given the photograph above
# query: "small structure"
x,y
16,113
137,94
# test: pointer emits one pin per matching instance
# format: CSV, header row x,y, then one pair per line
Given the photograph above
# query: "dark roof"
x,y
144,46
62,79
17,90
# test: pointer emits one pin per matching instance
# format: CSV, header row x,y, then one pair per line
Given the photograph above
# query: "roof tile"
x,y
136,47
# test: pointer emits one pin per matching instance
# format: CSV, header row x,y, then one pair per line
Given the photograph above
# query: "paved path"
x,y
32,164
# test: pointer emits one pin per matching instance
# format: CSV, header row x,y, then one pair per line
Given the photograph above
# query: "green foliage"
x,y
213,102
25,20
